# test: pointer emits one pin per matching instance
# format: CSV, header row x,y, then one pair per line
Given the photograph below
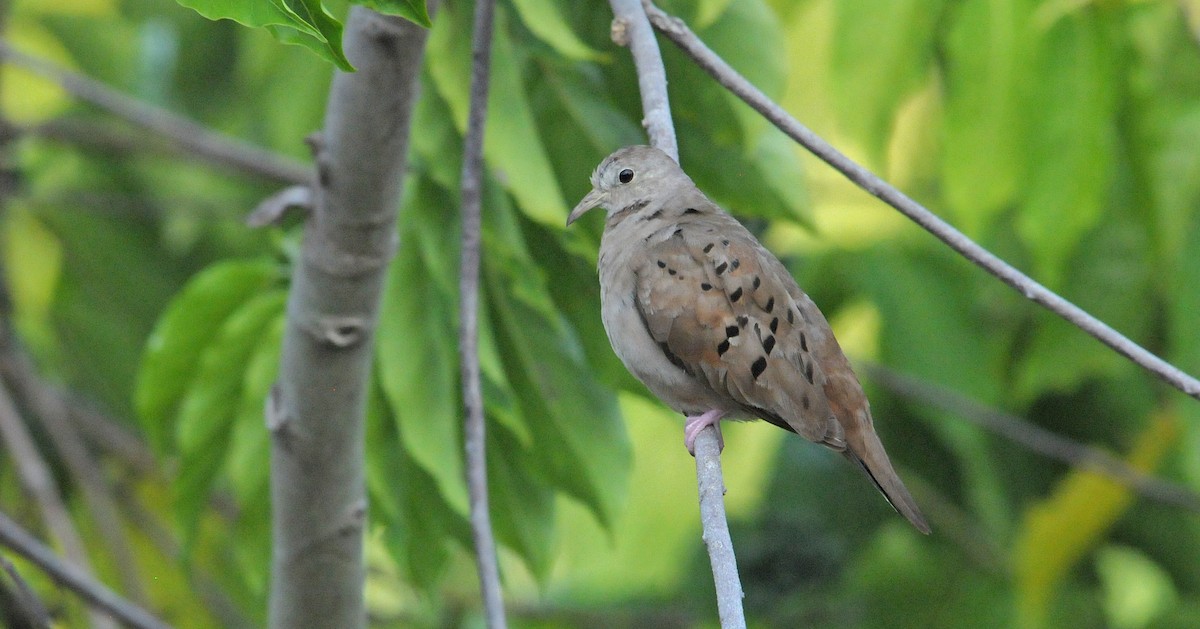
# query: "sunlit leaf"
x,y
303,22
881,53
1058,531
210,404
417,354
512,147
989,49
1072,142
183,334
546,20
415,11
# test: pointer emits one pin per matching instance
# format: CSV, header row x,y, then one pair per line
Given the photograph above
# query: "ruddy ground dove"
x,y
714,325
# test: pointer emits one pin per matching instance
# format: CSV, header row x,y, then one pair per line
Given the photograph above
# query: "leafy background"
x,y
1061,134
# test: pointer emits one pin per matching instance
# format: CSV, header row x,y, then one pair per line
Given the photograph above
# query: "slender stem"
x,y
716,530
675,30
29,608
187,135
74,578
38,480
474,428
1036,438
631,27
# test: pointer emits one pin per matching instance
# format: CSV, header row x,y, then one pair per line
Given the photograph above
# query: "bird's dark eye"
x,y
625,176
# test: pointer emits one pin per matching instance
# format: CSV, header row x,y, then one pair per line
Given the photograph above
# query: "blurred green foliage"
x,y
1061,134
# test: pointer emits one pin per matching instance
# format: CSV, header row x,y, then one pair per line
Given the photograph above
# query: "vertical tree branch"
x,y
315,411
474,429
678,32
632,28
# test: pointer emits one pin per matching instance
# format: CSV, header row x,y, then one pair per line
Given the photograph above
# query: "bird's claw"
x,y
696,423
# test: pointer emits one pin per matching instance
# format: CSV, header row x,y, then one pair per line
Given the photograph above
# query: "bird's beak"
x,y
591,200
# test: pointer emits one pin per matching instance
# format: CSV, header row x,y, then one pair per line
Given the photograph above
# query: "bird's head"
x,y
629,176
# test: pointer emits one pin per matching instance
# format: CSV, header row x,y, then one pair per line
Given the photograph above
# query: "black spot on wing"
x,y
759,366
721,267
736,295
768,344
732,331
722,347
691,210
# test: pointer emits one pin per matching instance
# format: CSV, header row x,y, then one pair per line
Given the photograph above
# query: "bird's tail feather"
x,y
880,470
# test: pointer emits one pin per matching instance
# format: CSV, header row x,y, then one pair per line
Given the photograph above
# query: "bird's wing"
x,y
724,309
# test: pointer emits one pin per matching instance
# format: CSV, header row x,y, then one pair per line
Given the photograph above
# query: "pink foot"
x,y
696,423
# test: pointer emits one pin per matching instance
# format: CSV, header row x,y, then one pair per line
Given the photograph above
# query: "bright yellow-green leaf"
x,y
512,147
1058,531
1136,589
546,20
988,52
27,97
33,259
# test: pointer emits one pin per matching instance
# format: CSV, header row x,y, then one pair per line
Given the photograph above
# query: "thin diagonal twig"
x,y
73,578
195,139
678,32
474,428
1036,438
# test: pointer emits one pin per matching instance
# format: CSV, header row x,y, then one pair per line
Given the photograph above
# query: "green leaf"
x,y
757,58
419,524
419,371
414,11
579,441
512,147
931,329
249,449
193,319
208,410
545,19
302,22
1073,140
1116,259
989,49
522,504
881,54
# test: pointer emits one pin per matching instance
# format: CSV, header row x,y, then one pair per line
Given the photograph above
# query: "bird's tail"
x,y
870,456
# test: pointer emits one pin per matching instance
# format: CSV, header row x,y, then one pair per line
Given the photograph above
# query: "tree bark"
x,y
315,412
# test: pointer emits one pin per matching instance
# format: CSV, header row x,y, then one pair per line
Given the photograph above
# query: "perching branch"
x,y
675,30
631,28
188,136
315,411
74,578
474,428
1035,438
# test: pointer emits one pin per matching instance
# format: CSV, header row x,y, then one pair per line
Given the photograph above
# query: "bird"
x,y
714,325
